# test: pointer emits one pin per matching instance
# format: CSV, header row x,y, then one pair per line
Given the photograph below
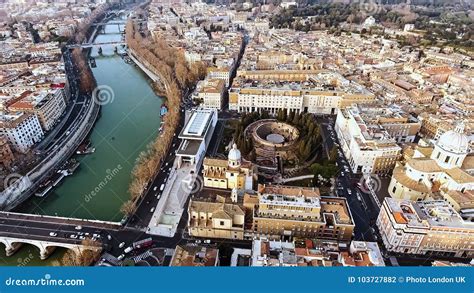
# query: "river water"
x,y
130,119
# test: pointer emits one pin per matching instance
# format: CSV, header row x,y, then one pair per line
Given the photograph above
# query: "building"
x,y
215,220
317,252
241,257
212,94
266,253
311,91
425,228
367,146
48,106
6,155
230,173
284,212
432,169
195,256
195,136
22,130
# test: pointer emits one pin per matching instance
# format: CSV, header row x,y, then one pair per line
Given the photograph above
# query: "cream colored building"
x,y
212,94
284,212
368,147
429,170
426,228
312,91
215,220
230,173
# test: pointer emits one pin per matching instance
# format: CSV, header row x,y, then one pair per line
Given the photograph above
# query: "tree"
x,y
89,254
127,207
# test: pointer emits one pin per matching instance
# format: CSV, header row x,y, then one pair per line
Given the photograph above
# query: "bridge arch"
x,y
45,247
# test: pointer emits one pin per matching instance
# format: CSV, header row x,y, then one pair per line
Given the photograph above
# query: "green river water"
x,y
129,121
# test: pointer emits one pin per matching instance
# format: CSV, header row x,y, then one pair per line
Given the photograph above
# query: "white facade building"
x,y
196,135
22,130
368,148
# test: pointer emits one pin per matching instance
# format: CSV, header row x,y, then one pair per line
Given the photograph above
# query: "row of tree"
x,y
87,81
177,76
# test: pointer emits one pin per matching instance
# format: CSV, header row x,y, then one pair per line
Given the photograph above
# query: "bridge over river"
x,y
48,232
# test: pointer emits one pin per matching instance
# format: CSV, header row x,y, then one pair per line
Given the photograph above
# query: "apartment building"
x,y
312,91
212,94
22,130
48,106
284,212
195,256
425,228
368,147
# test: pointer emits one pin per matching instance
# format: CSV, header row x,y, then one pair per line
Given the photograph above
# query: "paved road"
x,y
361,206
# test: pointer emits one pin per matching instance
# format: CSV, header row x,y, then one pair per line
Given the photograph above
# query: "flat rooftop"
x,y
197,125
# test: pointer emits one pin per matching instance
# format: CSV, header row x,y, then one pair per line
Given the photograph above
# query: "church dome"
x,y
454,140
234,154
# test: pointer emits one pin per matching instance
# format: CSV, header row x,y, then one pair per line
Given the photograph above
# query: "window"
x,y
394,188
447,159
221,223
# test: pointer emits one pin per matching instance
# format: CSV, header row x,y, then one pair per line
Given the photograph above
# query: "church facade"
x,y
229,174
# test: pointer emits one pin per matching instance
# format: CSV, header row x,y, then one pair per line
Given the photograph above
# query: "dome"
x,y
454,141
234,154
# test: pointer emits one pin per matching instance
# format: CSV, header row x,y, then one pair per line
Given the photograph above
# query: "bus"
x,y
143,243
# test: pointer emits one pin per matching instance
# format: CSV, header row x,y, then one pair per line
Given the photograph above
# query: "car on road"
x,y
121,244
73,236
53,234
155,188
78,227
198,241
109,237
128,249
349,191
162,187
207,241
159,196
152,210
120,257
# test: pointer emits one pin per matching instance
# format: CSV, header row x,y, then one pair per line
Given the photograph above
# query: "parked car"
x,y
79,227
53,234
121,244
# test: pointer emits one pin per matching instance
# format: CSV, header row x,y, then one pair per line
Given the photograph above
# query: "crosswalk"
x,y
142,256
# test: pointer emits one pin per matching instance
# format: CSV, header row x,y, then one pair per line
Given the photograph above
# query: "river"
x,y
130,119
